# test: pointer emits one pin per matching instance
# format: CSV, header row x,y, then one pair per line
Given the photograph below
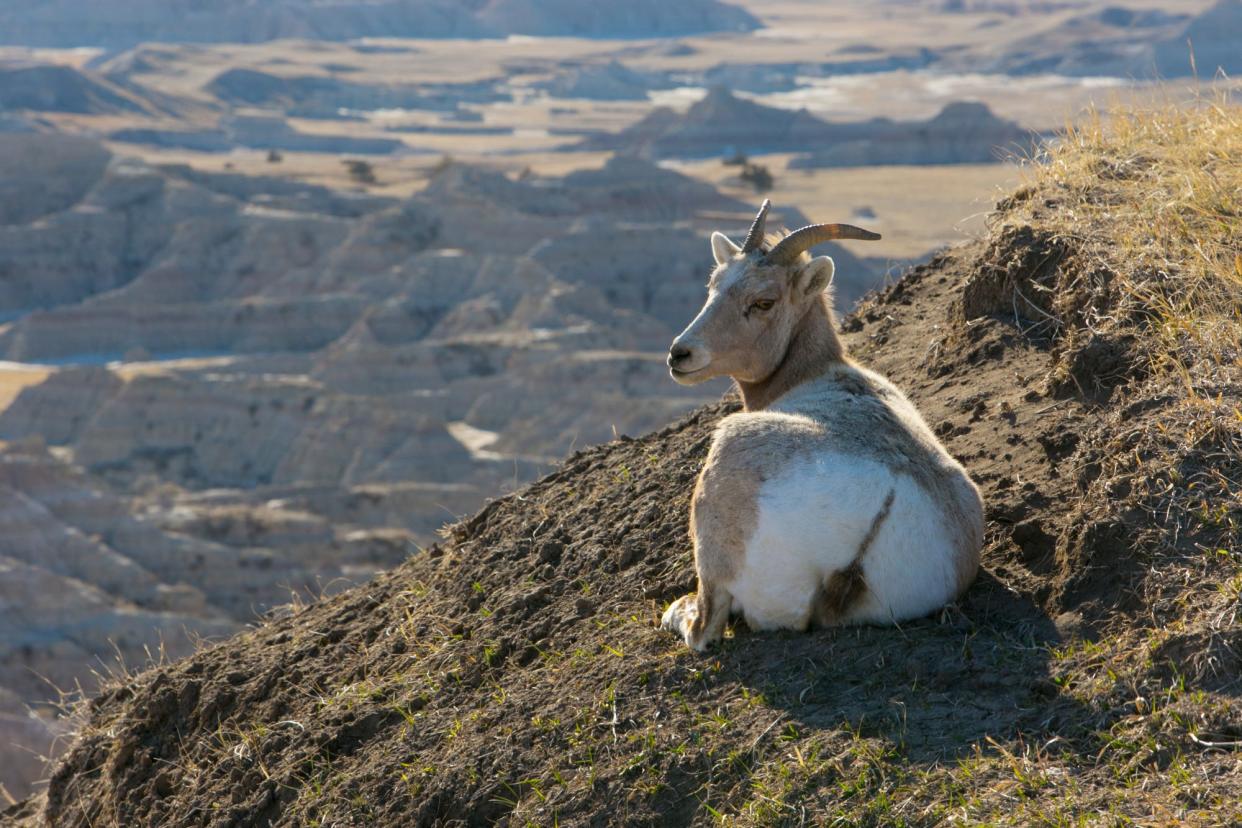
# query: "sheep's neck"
x,y
814,348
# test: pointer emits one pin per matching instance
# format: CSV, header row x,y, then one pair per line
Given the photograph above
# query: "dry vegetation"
x,y
1151,204
1149,208
1144,215
1156,196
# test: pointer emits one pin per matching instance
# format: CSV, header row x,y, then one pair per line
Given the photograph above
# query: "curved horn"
x,y
754,238
792,246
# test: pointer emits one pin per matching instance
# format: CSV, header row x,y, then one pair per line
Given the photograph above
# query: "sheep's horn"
x,y
792,246
754,238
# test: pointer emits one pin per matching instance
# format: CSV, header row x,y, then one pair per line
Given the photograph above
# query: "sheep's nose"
x,y
677,355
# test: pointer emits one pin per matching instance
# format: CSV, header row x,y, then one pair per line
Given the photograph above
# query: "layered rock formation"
x,y
961,133
312,96
41,175
611,81
93,581
723,124
85,586
264,132
261,388
53,88
1121,42
719,124
1208,45
638,18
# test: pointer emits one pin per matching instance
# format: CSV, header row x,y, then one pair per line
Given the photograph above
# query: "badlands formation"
x,y
722,124
1081,361
260,391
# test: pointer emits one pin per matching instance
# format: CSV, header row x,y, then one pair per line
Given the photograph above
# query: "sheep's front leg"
x,y
721,519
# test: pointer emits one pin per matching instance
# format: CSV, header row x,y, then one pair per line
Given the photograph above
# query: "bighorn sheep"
x,y
828,500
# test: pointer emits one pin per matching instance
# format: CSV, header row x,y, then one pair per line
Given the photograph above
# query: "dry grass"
x,y
1152,203
1148,206
1158,193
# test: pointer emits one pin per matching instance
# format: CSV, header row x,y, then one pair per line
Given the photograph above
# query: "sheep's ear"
x,y
723,249
817,275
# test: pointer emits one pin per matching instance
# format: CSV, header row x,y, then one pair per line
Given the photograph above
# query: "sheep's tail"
x,y
842,590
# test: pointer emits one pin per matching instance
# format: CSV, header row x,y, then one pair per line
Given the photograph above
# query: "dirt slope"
x,y
516,673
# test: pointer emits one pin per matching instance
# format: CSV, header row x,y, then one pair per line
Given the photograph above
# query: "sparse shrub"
x,y
360,171
757,176
274,156
443,164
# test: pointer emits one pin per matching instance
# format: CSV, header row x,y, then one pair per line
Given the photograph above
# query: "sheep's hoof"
x,y
679,614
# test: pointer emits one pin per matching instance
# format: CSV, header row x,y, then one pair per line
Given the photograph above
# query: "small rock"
x,y
550,551
626,555
164,785
536,596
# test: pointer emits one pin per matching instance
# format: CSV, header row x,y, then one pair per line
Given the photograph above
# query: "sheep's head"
x,y
755,298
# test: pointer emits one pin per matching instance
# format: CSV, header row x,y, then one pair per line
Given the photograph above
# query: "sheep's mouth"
x,y
680,375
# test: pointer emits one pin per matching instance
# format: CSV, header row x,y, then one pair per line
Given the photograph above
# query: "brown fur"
x,y
813,347
724,512
714,605
723,515
725,509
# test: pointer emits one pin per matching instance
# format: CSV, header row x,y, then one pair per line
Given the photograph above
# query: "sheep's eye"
x,y
762,305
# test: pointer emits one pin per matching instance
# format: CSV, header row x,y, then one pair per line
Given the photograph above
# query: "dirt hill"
x,y
1082,361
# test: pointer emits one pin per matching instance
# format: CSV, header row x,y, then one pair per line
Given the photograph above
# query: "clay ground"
x,y
14,376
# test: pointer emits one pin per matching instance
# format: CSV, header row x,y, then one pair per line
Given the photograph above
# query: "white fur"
x,y
702,354
812,520
818,274
723,248
679,615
